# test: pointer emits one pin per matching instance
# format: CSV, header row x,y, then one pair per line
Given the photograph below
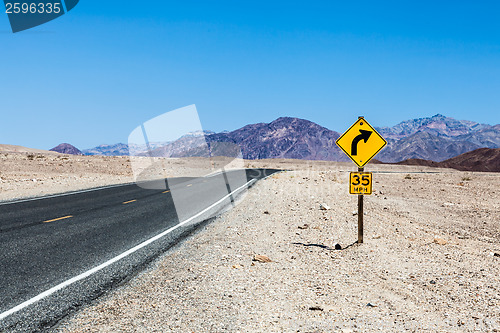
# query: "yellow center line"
x,y
165,192
127,202
190,185
58,219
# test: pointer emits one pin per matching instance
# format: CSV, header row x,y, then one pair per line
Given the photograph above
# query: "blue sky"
x,y
96,73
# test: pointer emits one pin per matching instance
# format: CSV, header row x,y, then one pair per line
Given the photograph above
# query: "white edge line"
x,y
111,261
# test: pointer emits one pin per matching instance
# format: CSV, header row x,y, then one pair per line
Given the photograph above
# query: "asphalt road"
x,y
58,253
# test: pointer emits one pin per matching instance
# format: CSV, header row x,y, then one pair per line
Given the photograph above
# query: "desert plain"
x,y
430,261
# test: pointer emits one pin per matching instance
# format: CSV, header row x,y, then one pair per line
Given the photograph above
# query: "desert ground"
x,y
26,172
430,261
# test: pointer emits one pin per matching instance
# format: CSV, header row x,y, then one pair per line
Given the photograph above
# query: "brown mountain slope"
x,y
66,148
482,159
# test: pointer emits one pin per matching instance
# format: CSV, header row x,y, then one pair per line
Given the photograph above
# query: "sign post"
x,y
361,143
360,214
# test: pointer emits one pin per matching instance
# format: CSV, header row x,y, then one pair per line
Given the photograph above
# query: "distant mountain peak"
x,y
118,149
438,125
66,148
200,133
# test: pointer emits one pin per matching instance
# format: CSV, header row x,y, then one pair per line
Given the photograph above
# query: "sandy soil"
x,y
26,172
430,261
30,174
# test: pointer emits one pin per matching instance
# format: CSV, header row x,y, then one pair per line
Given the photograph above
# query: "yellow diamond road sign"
x,y
361,142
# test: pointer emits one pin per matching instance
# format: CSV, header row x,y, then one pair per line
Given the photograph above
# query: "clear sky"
x,y
96,73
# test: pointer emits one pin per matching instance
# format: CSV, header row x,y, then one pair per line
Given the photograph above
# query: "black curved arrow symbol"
x,y
365,135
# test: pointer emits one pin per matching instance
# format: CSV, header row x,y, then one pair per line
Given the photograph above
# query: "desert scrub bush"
x,y
31,157
408,176
466,179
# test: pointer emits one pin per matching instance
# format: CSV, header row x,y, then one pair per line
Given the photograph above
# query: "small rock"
x,y
267,212
440,241
376,237
316,308
371,305
305,226
354,213
338,247
494,254
324,206
261,258
432,282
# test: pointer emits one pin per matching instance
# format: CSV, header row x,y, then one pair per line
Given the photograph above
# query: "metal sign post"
x,y
360,214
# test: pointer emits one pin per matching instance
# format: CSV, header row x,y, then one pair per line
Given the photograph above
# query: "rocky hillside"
x,y
424,145
436,138
66,148
283,138
437,125
119,149
483,159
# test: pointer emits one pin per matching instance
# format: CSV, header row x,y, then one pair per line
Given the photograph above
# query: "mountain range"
x,y
436,138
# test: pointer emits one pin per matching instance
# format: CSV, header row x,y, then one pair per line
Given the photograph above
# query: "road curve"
x,y
60,252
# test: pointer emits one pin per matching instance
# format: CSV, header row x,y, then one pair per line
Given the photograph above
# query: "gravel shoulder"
x,y
39,173
430,261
